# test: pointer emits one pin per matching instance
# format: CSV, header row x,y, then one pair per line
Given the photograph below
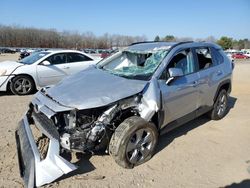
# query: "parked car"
x,y
122,105
8,50
239,56
24,54
247,54
41,69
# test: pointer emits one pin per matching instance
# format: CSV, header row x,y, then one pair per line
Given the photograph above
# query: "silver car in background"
x,y
121,105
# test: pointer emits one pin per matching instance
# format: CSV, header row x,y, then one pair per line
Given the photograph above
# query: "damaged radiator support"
x,y
85,137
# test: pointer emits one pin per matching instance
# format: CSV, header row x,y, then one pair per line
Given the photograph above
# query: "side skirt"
x,y
178,122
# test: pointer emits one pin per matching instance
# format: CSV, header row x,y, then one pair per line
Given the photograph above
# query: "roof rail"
x,y
161,41
143,42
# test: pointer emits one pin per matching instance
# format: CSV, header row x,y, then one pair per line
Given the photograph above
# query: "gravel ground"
x,y
201,153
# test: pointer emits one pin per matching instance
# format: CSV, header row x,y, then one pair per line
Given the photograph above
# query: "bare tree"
x,y
16,36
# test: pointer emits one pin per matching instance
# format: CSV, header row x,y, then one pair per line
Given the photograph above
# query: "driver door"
x,y
53,73
179,97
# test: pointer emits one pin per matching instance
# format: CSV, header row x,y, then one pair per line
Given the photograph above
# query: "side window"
x,y
204,58
183,60
57,59
217,57
76,57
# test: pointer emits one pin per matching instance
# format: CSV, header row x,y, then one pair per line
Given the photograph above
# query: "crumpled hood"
x,y
93,88
10,66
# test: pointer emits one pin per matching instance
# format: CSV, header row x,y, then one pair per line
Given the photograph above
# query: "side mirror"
x,y
46,63
174,73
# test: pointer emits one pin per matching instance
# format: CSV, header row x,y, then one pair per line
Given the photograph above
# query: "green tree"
x,y
225,42
169,38
157,39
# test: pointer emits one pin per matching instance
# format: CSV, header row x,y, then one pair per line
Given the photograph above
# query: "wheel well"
x,y
224,85
27,75
157,119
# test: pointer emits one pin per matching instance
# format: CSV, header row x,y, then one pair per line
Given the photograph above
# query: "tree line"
x,y
15,36
224,42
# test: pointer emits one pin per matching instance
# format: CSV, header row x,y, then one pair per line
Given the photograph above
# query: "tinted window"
x,y
76,57
183,60
217,57
204,58
57,59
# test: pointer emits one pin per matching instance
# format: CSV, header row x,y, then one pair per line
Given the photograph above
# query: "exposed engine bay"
x,y
90,130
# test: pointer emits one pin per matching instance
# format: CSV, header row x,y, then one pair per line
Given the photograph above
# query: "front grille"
x,y
42,141
46,124
43,146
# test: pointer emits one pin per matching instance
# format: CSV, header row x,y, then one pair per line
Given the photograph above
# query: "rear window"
x,y
204,58
217,57
76,57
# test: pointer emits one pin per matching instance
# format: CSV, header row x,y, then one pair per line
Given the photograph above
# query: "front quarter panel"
x,y
27,70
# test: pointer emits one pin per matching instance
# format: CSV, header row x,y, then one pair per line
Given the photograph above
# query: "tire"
x,y
133,142
22,85
220,107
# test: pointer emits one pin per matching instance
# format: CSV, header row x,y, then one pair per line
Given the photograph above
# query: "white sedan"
x,y
41,69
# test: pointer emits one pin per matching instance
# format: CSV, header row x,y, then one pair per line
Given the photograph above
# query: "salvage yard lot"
x,y
201,153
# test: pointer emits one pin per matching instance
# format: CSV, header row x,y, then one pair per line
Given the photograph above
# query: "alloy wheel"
x,y
222,105
139,146
23,85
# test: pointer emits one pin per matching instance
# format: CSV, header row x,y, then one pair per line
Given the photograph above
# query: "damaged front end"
x,y
37,168
43,135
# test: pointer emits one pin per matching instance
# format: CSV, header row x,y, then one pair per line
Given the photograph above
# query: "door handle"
x,y
65,67
219,73
194,84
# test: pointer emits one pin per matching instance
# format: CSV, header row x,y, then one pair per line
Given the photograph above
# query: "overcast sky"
x,y
182,18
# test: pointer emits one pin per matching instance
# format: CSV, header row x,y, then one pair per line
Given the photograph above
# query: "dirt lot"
x,y
201,153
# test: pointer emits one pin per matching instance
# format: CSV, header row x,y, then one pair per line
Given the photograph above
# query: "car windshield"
x,y
133,64
33,57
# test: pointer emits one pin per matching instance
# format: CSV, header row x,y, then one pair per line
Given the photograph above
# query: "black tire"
x,y
220,107
136,132
22,85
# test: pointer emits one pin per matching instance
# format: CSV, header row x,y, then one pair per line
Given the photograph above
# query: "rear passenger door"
x,y
210,72
77,62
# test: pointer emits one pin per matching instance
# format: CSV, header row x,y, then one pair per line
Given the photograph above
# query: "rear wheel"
x,y
133,142
22,85
220,107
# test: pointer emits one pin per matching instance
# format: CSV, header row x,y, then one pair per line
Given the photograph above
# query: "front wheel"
x,y
220,107
22,85
133,142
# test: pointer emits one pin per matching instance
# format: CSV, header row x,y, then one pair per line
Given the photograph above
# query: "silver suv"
x,y
121,105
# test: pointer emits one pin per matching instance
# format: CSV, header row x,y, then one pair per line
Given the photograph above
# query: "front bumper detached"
x,y
34,170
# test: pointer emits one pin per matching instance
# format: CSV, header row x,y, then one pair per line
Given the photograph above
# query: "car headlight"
x,y
3,72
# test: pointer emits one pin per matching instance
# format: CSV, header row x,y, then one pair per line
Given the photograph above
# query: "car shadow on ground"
x,y
9,93
243,184
84,166
5,93
167,138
